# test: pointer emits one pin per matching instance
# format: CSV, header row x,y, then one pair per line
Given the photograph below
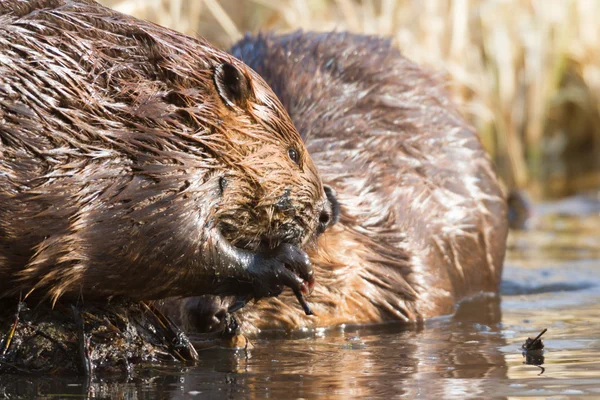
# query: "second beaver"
x,y
423,221
139,162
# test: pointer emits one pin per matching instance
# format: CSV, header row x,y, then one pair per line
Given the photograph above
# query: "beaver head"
x,y
270,191
135,159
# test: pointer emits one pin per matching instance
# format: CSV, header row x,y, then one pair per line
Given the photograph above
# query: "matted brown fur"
x,y
119,158
423,221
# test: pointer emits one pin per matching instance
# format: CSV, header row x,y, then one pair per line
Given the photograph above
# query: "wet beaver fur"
x,y
139,162
136,163
423,221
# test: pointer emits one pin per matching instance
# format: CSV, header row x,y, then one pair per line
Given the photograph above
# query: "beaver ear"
x,y
232,85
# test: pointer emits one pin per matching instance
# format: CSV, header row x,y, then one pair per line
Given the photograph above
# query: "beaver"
x,y
423,221
141,163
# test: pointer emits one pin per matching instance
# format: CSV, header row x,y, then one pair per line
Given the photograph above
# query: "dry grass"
x,y
526,72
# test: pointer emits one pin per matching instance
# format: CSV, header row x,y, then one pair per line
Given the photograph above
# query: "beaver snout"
x,y
331,210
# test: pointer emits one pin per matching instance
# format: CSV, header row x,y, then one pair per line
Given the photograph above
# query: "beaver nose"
x,y
331,210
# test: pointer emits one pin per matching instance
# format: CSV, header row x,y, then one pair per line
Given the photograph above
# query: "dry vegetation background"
x,y
526,72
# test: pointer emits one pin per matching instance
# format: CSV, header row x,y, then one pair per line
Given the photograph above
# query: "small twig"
x,y
151,311
534,344
84,343
20,307
303,303
163,326
178,338
540,335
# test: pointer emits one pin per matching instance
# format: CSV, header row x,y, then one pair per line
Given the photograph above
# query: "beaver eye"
x,y
294,156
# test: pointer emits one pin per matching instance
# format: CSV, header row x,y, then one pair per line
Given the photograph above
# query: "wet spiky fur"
x,y
117,156
423,221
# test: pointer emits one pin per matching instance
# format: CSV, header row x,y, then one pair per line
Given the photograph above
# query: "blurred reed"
x,y
526,73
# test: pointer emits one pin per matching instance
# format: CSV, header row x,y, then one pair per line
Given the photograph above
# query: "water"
x,y
551,280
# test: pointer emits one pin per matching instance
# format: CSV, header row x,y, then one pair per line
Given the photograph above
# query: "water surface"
x,y
551,280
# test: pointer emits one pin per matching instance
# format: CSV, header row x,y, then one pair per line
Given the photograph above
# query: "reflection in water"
x,y
446,357
552,280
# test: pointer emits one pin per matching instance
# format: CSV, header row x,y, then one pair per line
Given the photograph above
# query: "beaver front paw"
x,y
249,275
286,265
